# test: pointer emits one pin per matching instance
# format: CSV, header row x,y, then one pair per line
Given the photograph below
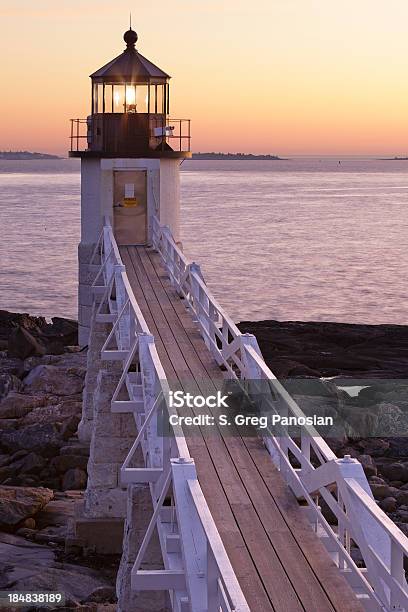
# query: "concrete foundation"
x,y
92,535
112,437
97,336
86,274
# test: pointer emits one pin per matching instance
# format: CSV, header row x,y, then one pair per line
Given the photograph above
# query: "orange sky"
x,y
267,76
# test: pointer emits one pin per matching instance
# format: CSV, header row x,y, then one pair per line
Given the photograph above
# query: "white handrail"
x,y
144,384
382,583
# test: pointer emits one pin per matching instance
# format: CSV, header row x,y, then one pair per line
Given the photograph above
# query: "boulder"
x,y
8,383
22,344
19,503
63,331
69,427
17,405
74,479
53,414
55,380
395,471
389,504
10,320
42,438
63,463
28,566
12,365
376,447
368,465
381,491
29,464
102,595
402,498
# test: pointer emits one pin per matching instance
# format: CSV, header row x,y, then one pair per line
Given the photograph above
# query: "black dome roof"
x,y
130,66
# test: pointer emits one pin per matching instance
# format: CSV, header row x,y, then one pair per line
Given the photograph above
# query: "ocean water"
x,y
301,239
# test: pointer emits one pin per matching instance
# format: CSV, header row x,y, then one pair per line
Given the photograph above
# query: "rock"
x,y
17,405
377,480
65,331
57,413
102,595
28,566
381,491
368,465
67,360
376,447
389,504
19,503
10,320
12,365
29,464
402,498
74,479
22,344
403,515
395,471
29,523
55,380
63,463
45,439
69,427
9,382
9,423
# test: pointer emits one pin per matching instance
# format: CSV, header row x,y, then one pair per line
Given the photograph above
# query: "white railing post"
x,y
367,532
123,331
201,305
192,537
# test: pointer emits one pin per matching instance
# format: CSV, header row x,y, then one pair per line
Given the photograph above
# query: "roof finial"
x,y
130,37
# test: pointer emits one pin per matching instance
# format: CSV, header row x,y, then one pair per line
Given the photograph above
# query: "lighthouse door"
x,y
130,207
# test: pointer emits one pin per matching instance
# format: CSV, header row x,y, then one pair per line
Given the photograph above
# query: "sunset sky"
x,y
265,76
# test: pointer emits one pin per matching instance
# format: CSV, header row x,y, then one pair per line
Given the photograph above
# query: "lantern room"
x,y
130,108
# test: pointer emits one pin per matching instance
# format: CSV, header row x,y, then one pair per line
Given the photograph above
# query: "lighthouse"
x,y
130,151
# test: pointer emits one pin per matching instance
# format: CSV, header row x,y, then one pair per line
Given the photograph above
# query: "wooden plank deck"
x,y
279,562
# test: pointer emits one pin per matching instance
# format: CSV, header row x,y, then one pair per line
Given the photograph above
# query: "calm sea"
x,y
302,239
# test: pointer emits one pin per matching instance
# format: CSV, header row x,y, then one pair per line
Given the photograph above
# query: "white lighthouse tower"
x,y
130,154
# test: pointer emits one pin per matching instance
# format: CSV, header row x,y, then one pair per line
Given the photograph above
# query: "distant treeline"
x,y
26,155
232,156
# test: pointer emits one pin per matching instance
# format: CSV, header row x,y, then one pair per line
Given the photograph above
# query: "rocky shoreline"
x,y
375,359
43,464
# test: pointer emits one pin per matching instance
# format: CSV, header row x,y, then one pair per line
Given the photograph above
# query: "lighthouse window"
x,y
108,98
159,99
118,98
99,98
142,98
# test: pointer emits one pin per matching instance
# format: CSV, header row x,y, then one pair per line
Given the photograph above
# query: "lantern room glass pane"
x,y
130,106
99,98
159,89
108,99
118,98
142,95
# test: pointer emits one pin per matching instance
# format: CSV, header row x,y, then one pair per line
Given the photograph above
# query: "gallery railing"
x,y
197,572
308,465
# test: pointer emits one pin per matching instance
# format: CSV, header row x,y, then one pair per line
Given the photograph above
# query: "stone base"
x,y
103,536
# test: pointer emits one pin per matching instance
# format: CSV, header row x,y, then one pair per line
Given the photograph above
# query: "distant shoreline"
x,y
23,155
393,158
244,156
